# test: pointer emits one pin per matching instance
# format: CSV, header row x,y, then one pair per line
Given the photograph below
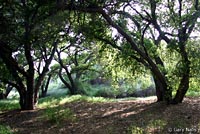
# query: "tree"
x,y
5,90
139,22
45,85
77,61
24,32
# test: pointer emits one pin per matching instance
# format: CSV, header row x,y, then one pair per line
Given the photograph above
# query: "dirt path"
x,y
123,117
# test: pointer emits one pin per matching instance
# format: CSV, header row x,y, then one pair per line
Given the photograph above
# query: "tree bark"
x,y
71,87
44,71
29,102
183,87
45,86
8,90
159,89
184,83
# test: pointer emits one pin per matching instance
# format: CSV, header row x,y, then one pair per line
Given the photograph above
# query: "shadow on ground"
x,y
123,117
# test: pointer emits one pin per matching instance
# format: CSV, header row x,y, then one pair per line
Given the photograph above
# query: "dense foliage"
x,y
105,41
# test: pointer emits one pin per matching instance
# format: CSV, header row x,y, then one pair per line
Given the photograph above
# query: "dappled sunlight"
x,y
140,115
9,104
74,98
124,115
49,103
110,112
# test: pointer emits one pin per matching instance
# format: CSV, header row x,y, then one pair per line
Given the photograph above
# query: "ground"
x,y
118,117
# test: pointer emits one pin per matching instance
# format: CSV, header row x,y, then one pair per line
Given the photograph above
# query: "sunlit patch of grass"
x,y
137,98
98,99
9,104
135,130
193,93
57,115
48,102
5,130
84,98
55,101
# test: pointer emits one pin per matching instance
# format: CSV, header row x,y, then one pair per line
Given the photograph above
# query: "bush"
x,y
5,129
105,92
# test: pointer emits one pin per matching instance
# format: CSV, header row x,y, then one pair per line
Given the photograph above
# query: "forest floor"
x,y
119,117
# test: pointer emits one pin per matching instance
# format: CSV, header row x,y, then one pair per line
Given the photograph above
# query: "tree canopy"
x,y
158,37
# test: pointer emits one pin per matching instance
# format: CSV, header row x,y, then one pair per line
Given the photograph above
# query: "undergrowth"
x,y
57,115
5,130
9,104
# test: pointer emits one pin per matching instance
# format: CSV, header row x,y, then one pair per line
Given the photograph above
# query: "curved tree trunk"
x,y
8,90
71,86
183,87
159,89
184,83
5,95
163,90
45,86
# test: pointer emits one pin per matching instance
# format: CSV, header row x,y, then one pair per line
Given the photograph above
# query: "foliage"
x,y
59,114
107,92
5,130
120,40
135,130
28,46
9,104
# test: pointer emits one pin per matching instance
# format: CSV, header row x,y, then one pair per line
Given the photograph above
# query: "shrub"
x,y
105,92
5,129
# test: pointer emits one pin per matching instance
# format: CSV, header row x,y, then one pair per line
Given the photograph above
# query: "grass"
x,y
57,111
5,130
152,126
135,130
57,115
9,104
60,100
193,93
156,125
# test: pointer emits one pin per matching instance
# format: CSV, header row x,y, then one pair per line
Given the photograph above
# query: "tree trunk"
x,y
45,86
184,83
8,89
2,96
29,102
72,87
36,91
159,89
163,90
28,95
5,95
183,86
